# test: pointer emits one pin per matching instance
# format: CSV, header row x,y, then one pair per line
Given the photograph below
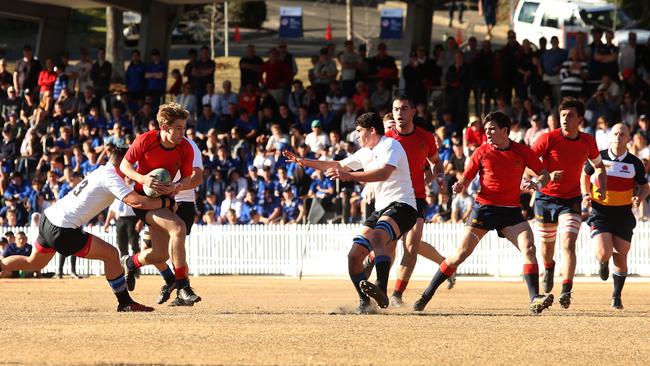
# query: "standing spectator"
x,y
9,149
324,73
202,73
276,75
100,74
191,60
458,81
607,57
10,105
250,66
414,75
156,78
6,78
484,79
383,67
224,100
552,60
573,75
26,72
509,61
210,98
135,77
47,77
489,10
452,5
628,58
82,70
287,57
350,62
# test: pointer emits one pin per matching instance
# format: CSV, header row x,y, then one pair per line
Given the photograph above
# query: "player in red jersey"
x,y
164,148
558,206
501,163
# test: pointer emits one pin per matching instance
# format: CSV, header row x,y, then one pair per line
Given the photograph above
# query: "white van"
x,y
534,19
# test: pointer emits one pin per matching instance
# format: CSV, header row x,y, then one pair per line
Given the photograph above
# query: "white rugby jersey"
x,y
88,198
398,187
188,195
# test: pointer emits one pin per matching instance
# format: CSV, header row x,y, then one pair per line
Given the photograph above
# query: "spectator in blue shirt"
x,y
12,207
292,208
249,205
135,82
431,208
206,121
326,117
20,247
321,186
17,188
553,58
156,78
268,182
247,124
60,83
92,162
226,98
270,210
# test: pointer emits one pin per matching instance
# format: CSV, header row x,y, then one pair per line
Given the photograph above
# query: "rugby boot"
x,y
548,280
565,300
617,303
396,301
165,293
187,294
365,307
129,274
421,303
134,307
540,303
371,290
180,302
603,271
451,281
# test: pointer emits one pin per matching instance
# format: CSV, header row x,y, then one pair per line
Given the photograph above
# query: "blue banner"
x,y
290,22
391,24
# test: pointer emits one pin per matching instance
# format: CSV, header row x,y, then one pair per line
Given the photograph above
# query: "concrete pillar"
x,y
417,29
114,43
158,21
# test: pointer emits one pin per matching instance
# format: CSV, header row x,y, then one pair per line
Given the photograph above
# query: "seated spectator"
x,y
248,99
210,218
248,125
297,96
317,139
230,202
188,101
116,136
224,100
232,218
237,182
118,117
14,213
293,210
535,131
249,205
517,132
267,183
603,131
335,98
270,209
431,208
381,97
95,120
20,247
328,118
474,135
461,207
598,105
206,121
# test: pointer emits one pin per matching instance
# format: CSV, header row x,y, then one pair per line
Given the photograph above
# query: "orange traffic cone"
x,y
328,32
459,37
237,36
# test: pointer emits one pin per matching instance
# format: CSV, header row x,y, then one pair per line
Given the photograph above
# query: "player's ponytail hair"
x,y
170,112
501,119
371,119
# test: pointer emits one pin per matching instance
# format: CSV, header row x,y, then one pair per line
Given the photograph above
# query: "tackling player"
x,y
611,220
164,148
558,206
60,229
385,168
501,163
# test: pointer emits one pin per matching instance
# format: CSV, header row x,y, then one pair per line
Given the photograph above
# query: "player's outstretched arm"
x,y
374,175
310,163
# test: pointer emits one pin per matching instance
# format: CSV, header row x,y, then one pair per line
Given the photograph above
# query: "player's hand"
x,y
335,173
600,193
636,201
458,187
291,157
174,207
152,183
166,189
556,175
428,176
529,185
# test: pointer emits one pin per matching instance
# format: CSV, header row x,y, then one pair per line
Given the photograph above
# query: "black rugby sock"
x,y
356,278
619,282
382,264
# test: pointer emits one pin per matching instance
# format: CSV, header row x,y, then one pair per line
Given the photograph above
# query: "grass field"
x,y
270,320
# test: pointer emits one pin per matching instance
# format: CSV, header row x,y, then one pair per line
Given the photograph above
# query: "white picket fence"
x,y
321,250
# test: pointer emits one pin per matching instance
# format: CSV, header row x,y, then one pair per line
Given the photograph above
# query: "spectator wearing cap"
x,y
11,104
293,211
26,71
155,78
224,99
28,107
100,74
47,77
230,202
317,139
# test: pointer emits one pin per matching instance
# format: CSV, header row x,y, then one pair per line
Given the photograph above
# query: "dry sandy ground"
x,y
268,320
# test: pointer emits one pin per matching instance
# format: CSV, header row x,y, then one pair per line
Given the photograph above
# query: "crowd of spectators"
x,y
60,121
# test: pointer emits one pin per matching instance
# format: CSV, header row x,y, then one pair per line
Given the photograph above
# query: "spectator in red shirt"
x,y
47,77
474,135
276,75
248,99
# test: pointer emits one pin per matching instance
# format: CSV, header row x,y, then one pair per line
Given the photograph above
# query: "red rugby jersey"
x,y
560,153
150,154
419,145
501,172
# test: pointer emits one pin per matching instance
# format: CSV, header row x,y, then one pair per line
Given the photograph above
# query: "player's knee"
x,y
178,229
355,256
529,249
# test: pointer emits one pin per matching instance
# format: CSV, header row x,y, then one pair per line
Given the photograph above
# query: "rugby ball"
x,y
162,175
